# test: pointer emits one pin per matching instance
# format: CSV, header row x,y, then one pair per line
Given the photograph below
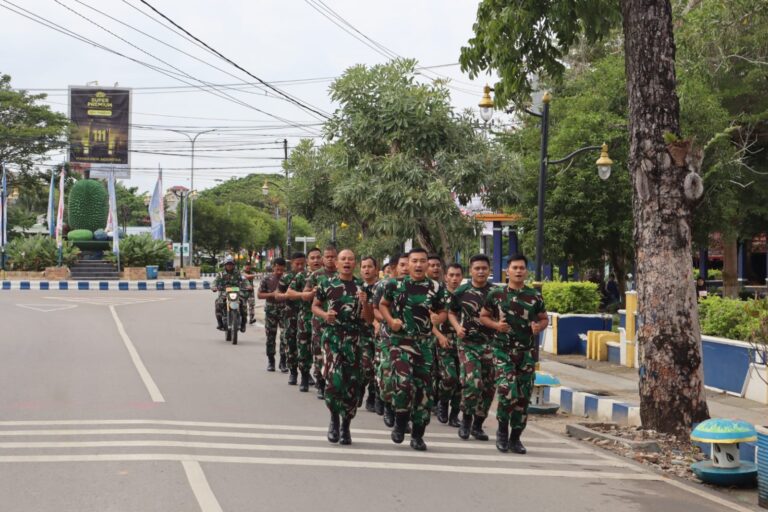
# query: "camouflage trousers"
x,y
367,358
272,319
288,338
251,305
448,388
477,378
410,382
317,348
383,367
515,373
341,371
304,343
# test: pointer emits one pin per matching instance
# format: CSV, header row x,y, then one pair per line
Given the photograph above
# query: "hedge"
x,y
571,297
732,318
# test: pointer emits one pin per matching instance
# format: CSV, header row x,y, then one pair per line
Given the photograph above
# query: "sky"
x,y
295,45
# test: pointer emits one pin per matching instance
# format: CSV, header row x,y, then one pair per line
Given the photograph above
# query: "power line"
x,y
267,84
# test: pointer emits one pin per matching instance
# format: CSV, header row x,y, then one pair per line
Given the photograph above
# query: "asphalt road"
x,y
132,401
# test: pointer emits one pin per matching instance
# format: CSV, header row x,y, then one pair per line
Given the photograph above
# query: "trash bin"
x,y
152,271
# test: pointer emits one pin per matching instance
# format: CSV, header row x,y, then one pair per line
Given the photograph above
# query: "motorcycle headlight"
x,y
232,296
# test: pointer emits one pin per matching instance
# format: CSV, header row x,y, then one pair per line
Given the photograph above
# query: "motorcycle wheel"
x,y
235,326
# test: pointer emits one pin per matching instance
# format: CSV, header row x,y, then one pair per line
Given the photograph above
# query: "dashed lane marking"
x,y
146,378
200,487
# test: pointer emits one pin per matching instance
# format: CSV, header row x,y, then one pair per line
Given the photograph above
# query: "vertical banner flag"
x,y
101,117
60,213
183,223
113,214
51,195
156,209
3,209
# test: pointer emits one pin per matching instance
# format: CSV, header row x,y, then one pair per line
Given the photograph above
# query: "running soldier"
x,y
369,272
435,273
290,318
378,327
406,307
273,309
328,271
522,316
475,350
449,386
342,304
250,276
304,332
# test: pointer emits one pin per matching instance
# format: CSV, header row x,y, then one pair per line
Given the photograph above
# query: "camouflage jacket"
x,y
297,284
518,308
446,328
314,279
367,329
282,287
466,305
268,285
411,302
336,294
226,279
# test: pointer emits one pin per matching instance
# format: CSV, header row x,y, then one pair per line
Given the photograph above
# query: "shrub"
x,y
571,297
728,318
38,252
713,274
142,250
80,235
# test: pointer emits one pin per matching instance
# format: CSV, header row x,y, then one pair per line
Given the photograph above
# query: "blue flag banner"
x,y
156,210
51,193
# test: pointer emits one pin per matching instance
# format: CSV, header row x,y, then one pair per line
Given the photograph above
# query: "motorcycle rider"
x,y
227,278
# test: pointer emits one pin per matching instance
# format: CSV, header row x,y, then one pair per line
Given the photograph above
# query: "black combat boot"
x,y
293,378
477,429
311,381
321,389
346,436
281,365
466,426
442,412
304,386
389,416
401,422
453,418
243,322
502,437
220,323
333,429
271,363
370,402
252,320
514,443
417,438
378,406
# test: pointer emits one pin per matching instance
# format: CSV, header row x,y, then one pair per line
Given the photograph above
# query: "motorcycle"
x,y
234,305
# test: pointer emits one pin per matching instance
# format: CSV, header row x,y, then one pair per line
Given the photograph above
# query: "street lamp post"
x,y
182,196
192,140
603,163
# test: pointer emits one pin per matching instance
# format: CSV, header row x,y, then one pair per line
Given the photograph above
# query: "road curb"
x,y
161,285
581,431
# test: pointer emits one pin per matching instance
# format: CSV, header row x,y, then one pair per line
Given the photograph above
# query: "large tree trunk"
x,y
671,377
730,267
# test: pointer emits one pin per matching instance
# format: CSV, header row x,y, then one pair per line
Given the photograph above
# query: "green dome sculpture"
x,y
88,205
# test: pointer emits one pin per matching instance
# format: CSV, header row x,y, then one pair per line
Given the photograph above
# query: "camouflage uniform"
x,y
304,330
273,312
515,351
475,350
367,348
411,347
449,385
341,344
381,358
289,325
251,298
225,280
315,279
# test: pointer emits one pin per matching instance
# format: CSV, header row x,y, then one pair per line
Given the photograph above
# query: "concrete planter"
x,y
57,273
192,272
25,275
135,273
762,465
166,275
562,335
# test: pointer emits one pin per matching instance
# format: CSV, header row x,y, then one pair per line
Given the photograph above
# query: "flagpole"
x,y
3,217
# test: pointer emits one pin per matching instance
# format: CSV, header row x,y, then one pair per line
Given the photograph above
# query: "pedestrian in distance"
x,y
518,314
272,308
250,276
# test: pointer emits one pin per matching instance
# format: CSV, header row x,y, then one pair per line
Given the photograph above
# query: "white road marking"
x,y
154,391
254,435
205,497
109,301
698,491
277,461
47,308
508,459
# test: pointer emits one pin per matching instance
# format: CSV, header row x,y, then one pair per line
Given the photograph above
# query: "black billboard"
x,y
101,119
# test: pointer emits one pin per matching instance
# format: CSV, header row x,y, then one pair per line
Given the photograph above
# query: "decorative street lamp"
x,y
288,217
603,163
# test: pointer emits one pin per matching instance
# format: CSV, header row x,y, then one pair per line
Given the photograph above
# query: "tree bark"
x,y
730,267
671,377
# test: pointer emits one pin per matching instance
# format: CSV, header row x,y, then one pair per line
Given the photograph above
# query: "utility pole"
x,y
288,216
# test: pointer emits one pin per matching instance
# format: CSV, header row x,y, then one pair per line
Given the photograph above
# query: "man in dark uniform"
x,y
521,317
272,309
328,270
407,306
250,276
475,351
342,304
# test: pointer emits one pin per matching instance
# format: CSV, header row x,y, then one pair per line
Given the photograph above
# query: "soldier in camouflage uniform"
x,y
304,332
369,273
449,386
314,279
342,304
522,316
475,349
435,273
273,309
230,276
407,306
291,317
384,369
378,327
250,276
